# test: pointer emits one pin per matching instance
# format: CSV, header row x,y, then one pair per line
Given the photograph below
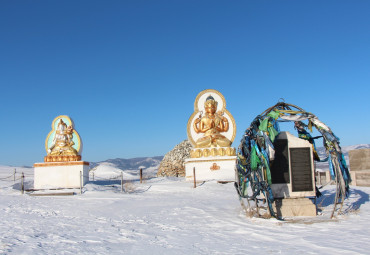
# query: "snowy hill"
x,y
345,149
112,168
132,163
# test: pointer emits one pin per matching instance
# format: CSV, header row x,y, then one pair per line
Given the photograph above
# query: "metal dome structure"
x,y
253,166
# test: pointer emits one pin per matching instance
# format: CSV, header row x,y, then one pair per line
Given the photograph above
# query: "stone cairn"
x,y
173,162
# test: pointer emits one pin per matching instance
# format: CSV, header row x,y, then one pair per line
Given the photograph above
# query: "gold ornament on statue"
x,y
211,128
63,143
211,124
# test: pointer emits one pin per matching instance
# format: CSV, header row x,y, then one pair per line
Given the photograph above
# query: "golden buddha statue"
x,y
211,124
62,141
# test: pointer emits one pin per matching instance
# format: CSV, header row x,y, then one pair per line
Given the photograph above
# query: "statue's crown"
x,y
210,100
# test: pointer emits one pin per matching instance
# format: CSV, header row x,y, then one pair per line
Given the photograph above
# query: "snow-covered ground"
x,y
167,216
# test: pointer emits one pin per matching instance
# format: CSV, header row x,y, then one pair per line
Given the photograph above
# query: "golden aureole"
x,y
211,125
62,143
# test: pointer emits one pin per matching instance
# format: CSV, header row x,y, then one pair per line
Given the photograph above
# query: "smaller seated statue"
x,y
211,124
62,141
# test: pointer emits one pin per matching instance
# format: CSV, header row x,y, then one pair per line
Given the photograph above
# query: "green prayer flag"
x,y
274,114
264,124
254,159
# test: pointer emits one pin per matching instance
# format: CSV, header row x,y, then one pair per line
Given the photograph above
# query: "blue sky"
x,y
128,72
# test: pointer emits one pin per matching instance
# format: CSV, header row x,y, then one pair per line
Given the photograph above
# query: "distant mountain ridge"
x,y
147,162
345,149
131,163
324,166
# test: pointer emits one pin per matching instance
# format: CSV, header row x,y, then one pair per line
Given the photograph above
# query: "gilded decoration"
x,y
70,163
214,167
63,143
211,126
65,158
212,152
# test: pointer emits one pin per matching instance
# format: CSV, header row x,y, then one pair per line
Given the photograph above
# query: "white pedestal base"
x,y
220,168
61,174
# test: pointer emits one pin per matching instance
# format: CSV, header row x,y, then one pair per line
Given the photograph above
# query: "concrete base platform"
x,y
220,168
290,207
61,174
361,178
359,162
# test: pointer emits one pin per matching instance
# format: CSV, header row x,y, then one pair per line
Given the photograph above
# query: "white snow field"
x,y
167,216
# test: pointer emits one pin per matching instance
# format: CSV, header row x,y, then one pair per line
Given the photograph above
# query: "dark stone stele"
x,y
300,164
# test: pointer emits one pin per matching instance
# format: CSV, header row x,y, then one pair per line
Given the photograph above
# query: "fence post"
x,y
121,182
15,171
141,175
195,183
80,182
22,183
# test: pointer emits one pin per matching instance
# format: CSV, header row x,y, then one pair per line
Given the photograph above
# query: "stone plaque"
x,y
359,163
301,169
359,159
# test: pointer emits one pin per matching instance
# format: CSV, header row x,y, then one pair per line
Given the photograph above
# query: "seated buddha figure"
x,y
62,141
211,124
